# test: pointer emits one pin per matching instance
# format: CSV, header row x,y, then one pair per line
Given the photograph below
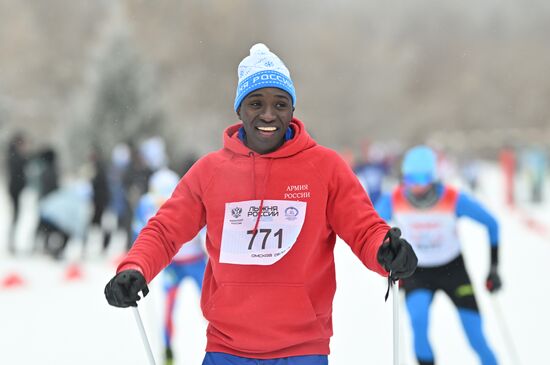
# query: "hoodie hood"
x,y
300,142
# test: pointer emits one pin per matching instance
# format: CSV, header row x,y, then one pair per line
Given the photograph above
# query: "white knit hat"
x,y
262,69
163,182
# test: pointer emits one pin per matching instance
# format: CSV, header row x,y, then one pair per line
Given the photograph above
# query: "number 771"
x,y
266,232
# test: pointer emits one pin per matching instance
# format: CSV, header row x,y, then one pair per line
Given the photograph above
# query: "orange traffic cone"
x,y
73,272
12,280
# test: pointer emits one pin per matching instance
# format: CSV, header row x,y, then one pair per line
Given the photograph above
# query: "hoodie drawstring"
x,y
266,179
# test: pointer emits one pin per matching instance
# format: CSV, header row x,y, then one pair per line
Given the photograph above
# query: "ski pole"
x,y
143,336
504,331
395,296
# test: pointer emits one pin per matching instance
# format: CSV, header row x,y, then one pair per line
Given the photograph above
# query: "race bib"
x,y
280,224
427,239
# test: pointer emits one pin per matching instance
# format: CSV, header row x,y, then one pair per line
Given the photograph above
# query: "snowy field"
x,y
52,320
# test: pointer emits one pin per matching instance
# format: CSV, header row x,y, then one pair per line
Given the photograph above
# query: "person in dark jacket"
x,y
100,191
136,182
16,162
49,174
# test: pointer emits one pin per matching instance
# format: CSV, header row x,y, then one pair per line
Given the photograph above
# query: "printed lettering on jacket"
x,y
300,191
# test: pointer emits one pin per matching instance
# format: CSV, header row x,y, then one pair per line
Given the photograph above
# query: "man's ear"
x,y
239,112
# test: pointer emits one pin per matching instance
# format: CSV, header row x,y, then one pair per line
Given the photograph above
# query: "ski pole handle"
x,y
143,336
394,233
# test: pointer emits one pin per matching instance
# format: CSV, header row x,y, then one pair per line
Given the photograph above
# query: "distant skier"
x,y
470,170
372,172
534,164
427,211
190,261
16,163
508,165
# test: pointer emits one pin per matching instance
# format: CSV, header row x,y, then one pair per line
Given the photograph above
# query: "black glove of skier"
x,y
493,282
122,290
397,256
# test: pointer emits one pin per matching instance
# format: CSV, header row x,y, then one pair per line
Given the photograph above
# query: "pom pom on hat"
x,y
262,68
259,48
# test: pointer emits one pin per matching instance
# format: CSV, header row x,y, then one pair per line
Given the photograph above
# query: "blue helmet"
x,y
419,166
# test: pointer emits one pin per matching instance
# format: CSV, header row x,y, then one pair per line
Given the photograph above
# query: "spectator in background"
x,y
534,165
64,214
120,159
508,166
48,179
100,191
44,178
153,152
16,162
135,182
128,180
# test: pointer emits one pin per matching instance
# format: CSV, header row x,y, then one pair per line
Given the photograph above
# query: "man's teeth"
x,y
267,129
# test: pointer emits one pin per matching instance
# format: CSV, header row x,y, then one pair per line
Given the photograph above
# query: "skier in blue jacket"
x,y
427,212
189,262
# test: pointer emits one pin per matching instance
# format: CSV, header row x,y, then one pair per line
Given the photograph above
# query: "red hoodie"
x,y
270,282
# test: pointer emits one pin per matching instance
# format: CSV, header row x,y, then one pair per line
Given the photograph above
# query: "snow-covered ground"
x,y
50,320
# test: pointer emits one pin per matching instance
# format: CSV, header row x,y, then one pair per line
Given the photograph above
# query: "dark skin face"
x,y
266,114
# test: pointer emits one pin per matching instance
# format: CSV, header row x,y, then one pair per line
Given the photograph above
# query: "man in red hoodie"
x,y
273,201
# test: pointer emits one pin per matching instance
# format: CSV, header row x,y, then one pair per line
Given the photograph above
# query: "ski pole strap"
x,y
391,281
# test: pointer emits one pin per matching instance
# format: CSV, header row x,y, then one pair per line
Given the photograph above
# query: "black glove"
x,y
122,290
397,256
493,282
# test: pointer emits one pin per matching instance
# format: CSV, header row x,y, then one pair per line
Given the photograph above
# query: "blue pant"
x,y
454,281
220,358
173,275
418,304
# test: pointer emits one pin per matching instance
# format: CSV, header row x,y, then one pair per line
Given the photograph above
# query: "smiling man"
x,y
273,201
